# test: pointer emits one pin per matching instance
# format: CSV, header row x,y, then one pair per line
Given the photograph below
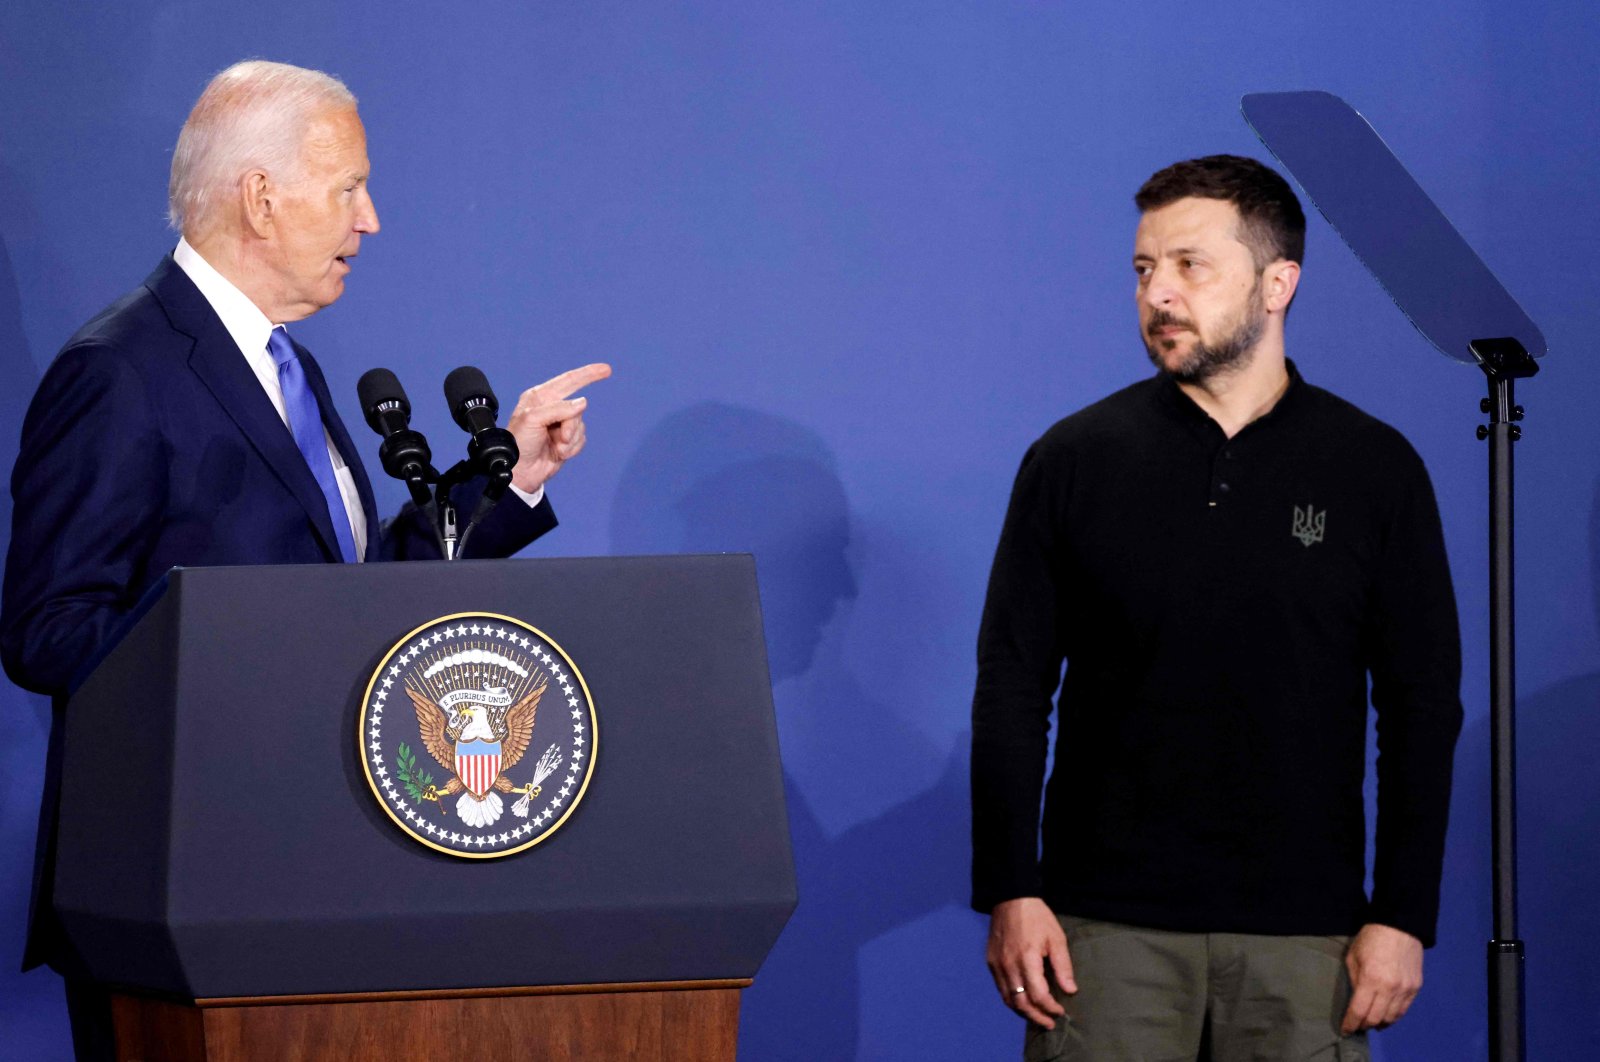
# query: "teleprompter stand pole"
x,y
1503,361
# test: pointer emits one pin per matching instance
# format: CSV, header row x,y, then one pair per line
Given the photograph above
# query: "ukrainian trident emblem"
x,y
468,689
1309,525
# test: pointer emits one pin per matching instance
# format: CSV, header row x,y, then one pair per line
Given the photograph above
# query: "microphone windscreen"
x,y
379,385
376,387
468,385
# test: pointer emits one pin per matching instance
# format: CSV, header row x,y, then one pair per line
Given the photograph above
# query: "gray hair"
x,y
252,115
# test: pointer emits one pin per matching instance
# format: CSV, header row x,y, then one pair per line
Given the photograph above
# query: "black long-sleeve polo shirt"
x,y
1220,605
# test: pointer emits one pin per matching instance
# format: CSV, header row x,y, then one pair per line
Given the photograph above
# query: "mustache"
x,y
1163,319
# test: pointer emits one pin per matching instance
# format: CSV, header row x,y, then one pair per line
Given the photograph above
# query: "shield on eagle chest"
x,y
478,765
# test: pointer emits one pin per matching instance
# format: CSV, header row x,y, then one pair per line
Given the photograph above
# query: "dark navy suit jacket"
x,y
150,443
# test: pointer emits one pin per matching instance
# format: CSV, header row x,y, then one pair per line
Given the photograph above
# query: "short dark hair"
x,y
1271,222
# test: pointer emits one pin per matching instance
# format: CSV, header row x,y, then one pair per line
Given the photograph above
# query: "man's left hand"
x,y
548,424
1385,967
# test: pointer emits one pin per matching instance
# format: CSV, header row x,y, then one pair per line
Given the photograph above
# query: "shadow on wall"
x,y
1558,841
720,478
715,478
32,1008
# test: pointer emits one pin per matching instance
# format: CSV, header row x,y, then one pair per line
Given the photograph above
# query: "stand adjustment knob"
x,y
1516,412
1483,431
1484,405
1516,433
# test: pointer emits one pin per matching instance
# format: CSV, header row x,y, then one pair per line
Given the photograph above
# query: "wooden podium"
x,y
226,870
684,1022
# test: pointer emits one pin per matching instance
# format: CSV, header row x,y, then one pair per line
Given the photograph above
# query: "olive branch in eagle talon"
x,y
512,728
418,783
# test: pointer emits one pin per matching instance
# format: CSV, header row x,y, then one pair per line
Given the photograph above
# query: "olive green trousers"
x,y
1152,995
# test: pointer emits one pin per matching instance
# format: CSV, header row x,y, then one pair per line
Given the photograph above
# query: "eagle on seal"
x,y
443,733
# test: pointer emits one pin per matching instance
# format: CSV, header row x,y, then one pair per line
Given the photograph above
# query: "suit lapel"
x,y
216,360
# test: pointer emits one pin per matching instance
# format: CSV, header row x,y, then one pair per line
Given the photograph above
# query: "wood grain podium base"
x,y
679,1021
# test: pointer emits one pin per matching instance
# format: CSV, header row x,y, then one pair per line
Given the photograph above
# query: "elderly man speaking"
x,y
183,425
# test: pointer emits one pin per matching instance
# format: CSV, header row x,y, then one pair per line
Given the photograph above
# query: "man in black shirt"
x,y
1222,555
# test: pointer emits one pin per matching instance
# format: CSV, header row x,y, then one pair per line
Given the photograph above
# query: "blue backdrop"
x,y
849,260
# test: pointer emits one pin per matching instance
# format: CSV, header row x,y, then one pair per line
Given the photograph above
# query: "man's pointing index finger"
x,y
564,385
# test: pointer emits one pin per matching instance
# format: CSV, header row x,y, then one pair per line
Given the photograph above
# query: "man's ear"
x,y
1278,283
259,199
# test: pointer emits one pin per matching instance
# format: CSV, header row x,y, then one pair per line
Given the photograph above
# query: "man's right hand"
x,y
1023,934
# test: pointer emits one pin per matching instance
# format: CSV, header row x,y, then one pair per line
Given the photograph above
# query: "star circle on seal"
x,y
478,735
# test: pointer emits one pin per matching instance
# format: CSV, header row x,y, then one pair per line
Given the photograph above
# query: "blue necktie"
x,y
305,423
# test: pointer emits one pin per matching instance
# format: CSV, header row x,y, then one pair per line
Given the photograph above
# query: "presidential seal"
x,y
478,735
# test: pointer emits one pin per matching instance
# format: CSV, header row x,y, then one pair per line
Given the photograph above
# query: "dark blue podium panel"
x,y
219,836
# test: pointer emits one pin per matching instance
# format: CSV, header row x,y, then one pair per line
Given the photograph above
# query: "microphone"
x,y
493,450
404,453
473,405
